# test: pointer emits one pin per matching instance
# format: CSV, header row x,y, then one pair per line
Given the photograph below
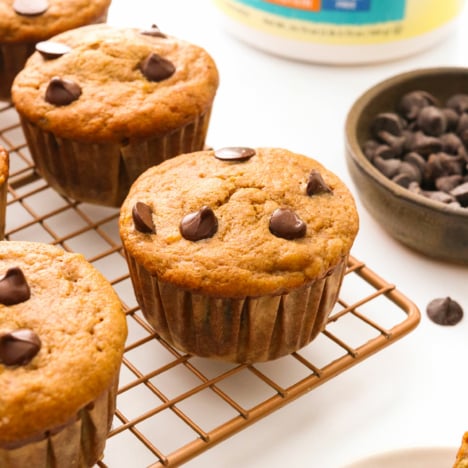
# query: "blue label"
x,y
346,5
351,12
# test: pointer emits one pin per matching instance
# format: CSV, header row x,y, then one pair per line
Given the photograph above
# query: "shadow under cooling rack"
x,y
172,406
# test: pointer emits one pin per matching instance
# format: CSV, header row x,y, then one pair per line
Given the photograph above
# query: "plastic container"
x,y
341,32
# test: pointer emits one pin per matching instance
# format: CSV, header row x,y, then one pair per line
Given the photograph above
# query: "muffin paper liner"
x,y
248,329
80,443
102,173
13,56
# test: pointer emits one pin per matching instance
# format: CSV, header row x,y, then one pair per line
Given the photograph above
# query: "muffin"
x,y
23,23
238,254
4,172
62,334
118,102
461,460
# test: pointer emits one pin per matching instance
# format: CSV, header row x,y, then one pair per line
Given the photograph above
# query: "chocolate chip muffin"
x,y
23,23
118,101
238,254
461,460
62,334
4,173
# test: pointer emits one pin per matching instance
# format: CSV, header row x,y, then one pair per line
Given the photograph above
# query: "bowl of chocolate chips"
x,y
407,154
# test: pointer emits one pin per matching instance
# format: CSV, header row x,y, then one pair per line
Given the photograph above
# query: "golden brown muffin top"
x,y
35,20
115,101
79,320
4,164
243,257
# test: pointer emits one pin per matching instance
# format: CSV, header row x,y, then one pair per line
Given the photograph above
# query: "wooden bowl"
x,y
427,226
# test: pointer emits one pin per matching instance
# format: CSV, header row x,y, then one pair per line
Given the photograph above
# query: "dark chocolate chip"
x,y
452,118
396,143
154,31
458,102
52,50
388,167
19,347
198,225
451,143
448,183
14,288
425,144
234,153
411,103
286,224
30,7
432,121
387,122
461,194
156,68
316,184
416,160
444,311
62,92
142,216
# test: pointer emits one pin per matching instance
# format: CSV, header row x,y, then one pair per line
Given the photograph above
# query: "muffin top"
x,y
62,333
115,84
35,20
238,221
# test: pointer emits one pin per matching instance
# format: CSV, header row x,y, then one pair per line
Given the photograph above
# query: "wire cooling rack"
x,y
172,406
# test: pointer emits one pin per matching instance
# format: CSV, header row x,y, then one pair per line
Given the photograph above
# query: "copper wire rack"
x,y
172,406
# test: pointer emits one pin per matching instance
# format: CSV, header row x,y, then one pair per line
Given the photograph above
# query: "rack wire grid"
x,y
173,406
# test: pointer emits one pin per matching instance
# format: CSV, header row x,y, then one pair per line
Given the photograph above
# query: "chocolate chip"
x,y
425,144
154,31
157,68
387,122
234,153
19,347
62,92
199,225
458,102
52,50
142,216
316,184
461,194
432,121
286,224
14,288
388,167
30,7
448,183
411,103
452,118
444,311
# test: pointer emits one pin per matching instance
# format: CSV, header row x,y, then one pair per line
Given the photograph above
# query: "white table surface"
x,y
413,393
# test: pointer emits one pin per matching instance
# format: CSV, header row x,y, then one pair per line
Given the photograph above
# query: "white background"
x,y
414,393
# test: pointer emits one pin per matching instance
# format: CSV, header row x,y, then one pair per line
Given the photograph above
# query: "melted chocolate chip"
x,y
316,184
19,347
234,153
142,216
444,311
154,31
157,68
62,92
286,223
30,7
52,50
199,225
14,288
